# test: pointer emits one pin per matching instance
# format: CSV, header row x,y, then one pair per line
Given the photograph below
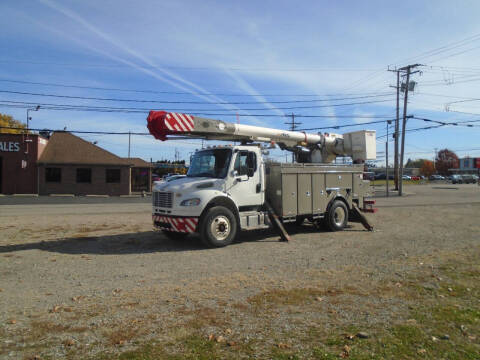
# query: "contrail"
x,y
72,15
244,85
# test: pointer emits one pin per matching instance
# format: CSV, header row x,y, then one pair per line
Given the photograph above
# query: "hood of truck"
x,y
189,184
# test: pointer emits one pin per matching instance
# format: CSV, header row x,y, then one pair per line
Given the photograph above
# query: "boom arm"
x,y
360,145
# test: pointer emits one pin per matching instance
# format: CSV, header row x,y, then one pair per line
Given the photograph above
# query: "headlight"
x,y
190,202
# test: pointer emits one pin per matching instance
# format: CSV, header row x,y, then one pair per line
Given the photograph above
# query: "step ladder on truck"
x,y
232,188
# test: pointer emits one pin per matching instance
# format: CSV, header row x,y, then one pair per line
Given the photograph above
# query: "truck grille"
x,y
162,199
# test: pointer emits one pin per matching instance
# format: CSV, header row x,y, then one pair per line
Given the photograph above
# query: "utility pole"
x,y
397,124
129,136
293,127
408,69
386,160
395,134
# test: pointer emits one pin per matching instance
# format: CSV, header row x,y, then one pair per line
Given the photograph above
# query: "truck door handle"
x,y
259,188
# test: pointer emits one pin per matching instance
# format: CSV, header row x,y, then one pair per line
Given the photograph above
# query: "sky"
x,y
326,62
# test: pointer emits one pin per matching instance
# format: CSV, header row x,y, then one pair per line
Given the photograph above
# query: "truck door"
x,y
246,188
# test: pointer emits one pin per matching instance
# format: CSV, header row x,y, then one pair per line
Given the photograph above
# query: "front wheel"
x,y
337,216
218,227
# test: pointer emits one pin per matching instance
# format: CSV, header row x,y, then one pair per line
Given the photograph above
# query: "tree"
x,y
427,168
414,163
446,159
8,121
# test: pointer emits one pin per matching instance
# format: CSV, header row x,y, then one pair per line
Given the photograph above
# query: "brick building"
x,y
67,164
18,163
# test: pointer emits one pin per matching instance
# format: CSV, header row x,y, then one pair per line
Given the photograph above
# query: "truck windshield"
x,y
210,163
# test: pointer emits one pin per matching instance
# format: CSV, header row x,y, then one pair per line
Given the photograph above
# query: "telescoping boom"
x,y
309,148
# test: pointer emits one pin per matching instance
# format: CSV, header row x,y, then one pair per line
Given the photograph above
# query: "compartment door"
x,y
304,194
289,194
319,193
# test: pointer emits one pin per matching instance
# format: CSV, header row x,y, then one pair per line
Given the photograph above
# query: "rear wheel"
x,y
337,216
218,227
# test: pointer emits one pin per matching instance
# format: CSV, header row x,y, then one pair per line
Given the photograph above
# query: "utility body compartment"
x,y
307,189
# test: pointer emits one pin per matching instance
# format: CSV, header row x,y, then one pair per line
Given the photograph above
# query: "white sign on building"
x,y
9,146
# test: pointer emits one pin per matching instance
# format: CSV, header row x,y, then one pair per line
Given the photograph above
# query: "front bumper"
x,y
175,223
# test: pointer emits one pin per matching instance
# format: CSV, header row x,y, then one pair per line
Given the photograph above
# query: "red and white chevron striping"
x,y
179,122
179,224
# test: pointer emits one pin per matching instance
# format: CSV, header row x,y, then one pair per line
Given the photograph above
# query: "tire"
x,y
218,227
337,216
173,235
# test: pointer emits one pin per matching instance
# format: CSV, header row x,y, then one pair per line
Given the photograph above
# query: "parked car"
x,y
468,179
415,178
368,176
174,177
457,179
383,176
406,177
436,177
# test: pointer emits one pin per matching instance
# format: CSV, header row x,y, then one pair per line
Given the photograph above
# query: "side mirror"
x,y
234,173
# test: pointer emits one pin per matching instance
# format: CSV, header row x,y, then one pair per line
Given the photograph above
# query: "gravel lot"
x,y
98,267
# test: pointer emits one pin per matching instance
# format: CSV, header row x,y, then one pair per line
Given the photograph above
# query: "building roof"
x,y
137,162
66,148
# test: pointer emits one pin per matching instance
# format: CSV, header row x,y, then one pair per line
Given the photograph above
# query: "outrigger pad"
x,y
361,218
277,224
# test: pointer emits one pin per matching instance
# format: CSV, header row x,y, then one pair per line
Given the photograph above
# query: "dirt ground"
x,y
86,280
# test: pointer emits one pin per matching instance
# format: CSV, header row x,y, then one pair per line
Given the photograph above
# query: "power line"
x,y
346,125
77,131
456,123
444,48
187,102
25,105
143,110
170,92
416,129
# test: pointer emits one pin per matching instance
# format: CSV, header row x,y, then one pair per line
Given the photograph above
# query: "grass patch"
x,y
298,296
39,329
437,323
391,182
202,317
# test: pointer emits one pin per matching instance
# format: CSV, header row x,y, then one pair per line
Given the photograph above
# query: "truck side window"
x,y
245,160
252,161
241,163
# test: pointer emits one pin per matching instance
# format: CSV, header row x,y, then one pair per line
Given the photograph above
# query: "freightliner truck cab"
x,y
221,184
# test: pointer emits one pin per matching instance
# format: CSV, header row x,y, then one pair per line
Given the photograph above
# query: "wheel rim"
x,y
220,228
339,216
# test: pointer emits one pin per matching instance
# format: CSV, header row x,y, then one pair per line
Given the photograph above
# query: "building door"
x,y
140,179
1,174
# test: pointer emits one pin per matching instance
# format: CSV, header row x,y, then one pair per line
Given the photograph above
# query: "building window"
x,y
113,175
53,175
84,175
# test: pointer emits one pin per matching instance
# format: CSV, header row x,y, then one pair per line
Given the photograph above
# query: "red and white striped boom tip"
x,y
162,123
